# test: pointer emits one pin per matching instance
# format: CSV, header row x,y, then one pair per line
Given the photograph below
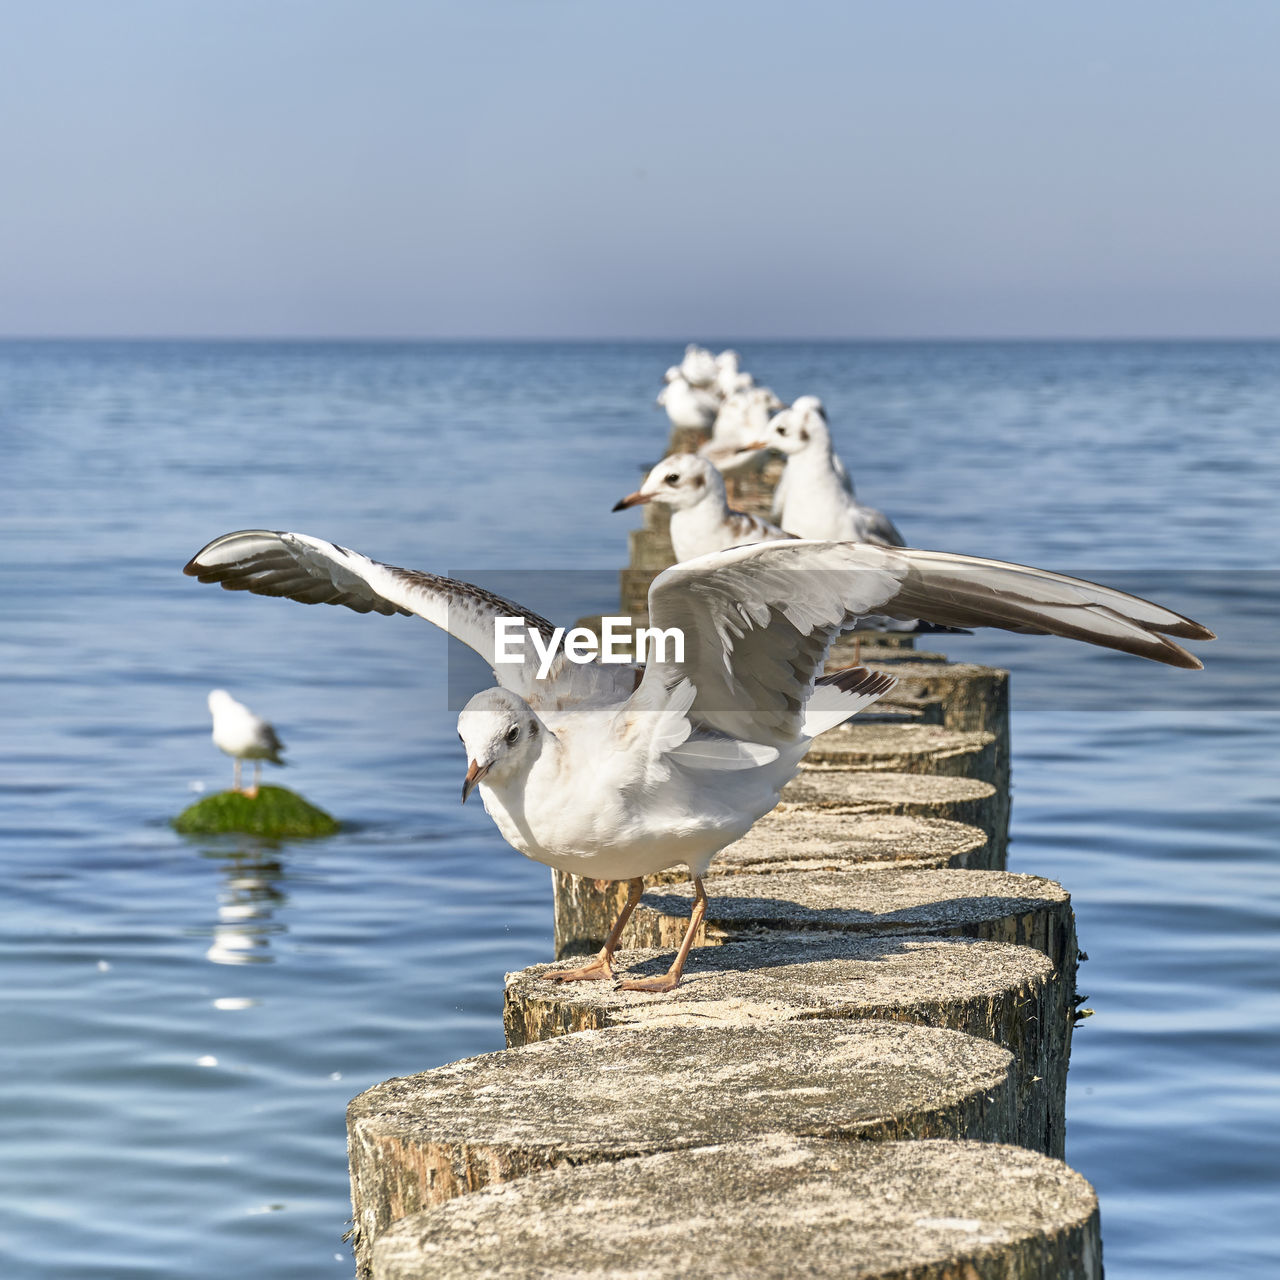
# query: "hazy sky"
x,y
594,168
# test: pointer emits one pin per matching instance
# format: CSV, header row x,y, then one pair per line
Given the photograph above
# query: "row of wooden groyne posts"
x,y
862,1074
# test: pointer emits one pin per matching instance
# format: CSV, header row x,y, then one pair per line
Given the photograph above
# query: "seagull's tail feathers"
x,y
274,746
842,694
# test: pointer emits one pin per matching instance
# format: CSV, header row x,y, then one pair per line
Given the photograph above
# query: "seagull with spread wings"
x,y
617,772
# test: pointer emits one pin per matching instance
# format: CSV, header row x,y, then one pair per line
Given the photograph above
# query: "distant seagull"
x,y
699,367
701,519
729,378
815,497
243,736
689,408
703,522
615,773
738,434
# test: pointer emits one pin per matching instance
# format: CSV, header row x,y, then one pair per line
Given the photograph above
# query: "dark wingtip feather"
x,y
923,628
860,680
208,573
1185,629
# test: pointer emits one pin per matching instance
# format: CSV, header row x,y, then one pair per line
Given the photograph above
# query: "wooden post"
x,y
890,748
968,800
790,839
1010,994
996,905
906,749
771,1208
974,698
601,1096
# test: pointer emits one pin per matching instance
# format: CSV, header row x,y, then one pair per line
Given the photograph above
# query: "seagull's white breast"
x,y
609,812
238,732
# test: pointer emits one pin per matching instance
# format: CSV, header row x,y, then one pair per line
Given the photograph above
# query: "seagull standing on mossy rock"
x,y
243,736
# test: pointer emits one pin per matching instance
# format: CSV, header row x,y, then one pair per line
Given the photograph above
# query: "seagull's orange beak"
x,y
756,444
633,500
474,774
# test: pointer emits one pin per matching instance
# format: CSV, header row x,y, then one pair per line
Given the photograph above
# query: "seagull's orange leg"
x,y
601,968
257,779
667,981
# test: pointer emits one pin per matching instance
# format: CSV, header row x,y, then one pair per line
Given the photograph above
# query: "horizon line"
x,y
409,339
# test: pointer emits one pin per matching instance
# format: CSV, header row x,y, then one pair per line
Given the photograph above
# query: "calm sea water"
x,y
184,1020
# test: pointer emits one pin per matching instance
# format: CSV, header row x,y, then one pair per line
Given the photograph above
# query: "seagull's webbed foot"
x,y
662,982
599,970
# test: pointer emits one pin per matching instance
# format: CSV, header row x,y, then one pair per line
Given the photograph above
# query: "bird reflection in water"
x,y
247,902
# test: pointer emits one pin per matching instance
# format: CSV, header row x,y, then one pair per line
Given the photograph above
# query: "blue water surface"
x,y
184,1020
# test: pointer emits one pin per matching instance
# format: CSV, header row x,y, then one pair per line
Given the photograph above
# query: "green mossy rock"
x,y
274,811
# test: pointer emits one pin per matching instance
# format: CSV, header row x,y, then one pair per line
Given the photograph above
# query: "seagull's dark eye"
x,y
782,431
673,478
513,733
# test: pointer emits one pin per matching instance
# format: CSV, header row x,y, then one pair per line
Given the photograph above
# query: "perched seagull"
x,y
702,522
815,497
243,736
616,772
729,378
688,407
800,408
701,519
738,435
699,366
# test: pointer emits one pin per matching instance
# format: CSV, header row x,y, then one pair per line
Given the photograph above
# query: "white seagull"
x,y
614,772
689,408
243,736
702,522
729,378
701,518
699,366
815,497
739,432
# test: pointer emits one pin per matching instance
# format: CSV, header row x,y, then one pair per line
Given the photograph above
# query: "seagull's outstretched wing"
x,y
757,620
313,571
